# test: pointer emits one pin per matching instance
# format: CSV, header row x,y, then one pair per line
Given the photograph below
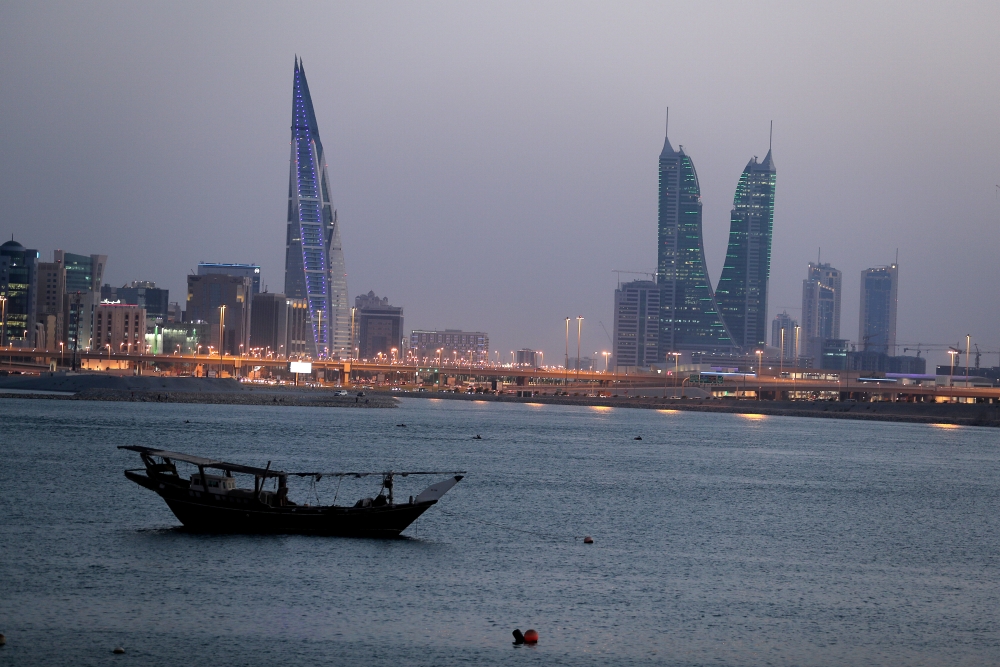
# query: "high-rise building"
x,y
225,302
378,327
636,327
251,271
153,299
821,292
314,257
689,316
18,282
785,336
742,291
49,311
877,330
84,276
449,345
821,302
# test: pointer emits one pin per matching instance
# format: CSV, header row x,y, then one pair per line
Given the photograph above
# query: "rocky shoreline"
x,y
94,387
959,414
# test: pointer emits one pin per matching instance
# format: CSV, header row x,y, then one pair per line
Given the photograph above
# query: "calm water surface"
x,y
719,540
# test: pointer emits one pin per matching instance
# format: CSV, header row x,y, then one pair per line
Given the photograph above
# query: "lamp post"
x,y
760,354
579,331
62,347
607,362
951,374
968,342
567,351
222,335
3,320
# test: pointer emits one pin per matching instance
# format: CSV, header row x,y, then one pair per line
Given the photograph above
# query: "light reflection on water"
x,y
718,539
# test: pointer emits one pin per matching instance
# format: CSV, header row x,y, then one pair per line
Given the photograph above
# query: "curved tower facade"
x,y
689,318
742,290
314,258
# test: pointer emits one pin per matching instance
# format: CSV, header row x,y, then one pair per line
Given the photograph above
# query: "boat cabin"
x,y
216,483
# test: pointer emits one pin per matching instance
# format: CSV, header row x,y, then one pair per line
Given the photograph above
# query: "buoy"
x,y
477,437
118,650
588,539
3,640
638,437
531,637
518,637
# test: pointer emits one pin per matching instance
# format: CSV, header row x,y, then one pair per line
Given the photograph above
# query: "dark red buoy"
x,y
588,540
531,637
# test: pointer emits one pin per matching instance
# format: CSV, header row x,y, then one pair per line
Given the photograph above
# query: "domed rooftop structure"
x,y
12,246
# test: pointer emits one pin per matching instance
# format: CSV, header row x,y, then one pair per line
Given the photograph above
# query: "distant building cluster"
x,y
65,305
679,316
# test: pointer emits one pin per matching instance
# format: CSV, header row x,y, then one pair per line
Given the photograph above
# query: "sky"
x,y
493,163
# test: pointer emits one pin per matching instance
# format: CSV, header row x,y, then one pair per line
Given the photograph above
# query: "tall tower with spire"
x,y
689,317
742,290
314,258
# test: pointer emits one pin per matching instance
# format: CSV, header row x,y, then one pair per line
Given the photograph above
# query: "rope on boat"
x,y
550,535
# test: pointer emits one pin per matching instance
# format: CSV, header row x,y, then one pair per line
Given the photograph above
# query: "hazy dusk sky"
x,y
493,163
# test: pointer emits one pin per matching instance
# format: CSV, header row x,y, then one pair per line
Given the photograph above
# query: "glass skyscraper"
x,y
689,317
877,330
314,258
742,290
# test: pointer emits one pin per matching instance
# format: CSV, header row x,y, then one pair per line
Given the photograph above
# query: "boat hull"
x,y
231,513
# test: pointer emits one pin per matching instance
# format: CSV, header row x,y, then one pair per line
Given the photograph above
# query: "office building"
x,y
785,336
526,358
378,327
314,257
154,300
269,325
877,329
742,291
821,292
279,326
636,325
84,277
49,305
426,347
689,316
119,327
225,303
18,284
833,353
251,271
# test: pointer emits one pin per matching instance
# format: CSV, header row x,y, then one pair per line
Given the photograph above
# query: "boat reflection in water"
x,y
213,502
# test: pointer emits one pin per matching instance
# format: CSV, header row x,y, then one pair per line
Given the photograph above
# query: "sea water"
x,y
718,540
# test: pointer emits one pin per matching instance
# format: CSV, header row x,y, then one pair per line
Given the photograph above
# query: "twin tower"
x,y
693,317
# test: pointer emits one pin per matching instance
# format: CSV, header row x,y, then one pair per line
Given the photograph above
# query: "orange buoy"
x,y
531,637
588,540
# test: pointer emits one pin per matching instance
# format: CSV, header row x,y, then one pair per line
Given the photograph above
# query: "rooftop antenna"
x,y
819,255
897,257
770,136
666,127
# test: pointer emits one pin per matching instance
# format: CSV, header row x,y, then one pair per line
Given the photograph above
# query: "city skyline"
x,y
452,154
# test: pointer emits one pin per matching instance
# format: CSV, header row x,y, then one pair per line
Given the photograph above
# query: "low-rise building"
x,y
378,327
120,327
427,347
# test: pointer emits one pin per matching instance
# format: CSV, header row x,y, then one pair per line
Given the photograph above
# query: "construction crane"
x,y
619,273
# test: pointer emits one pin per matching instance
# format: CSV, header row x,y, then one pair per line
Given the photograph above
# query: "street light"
x,y
760,354
607,356
3,320
579,330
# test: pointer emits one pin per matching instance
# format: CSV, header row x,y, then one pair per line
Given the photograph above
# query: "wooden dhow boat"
x,y
214,503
